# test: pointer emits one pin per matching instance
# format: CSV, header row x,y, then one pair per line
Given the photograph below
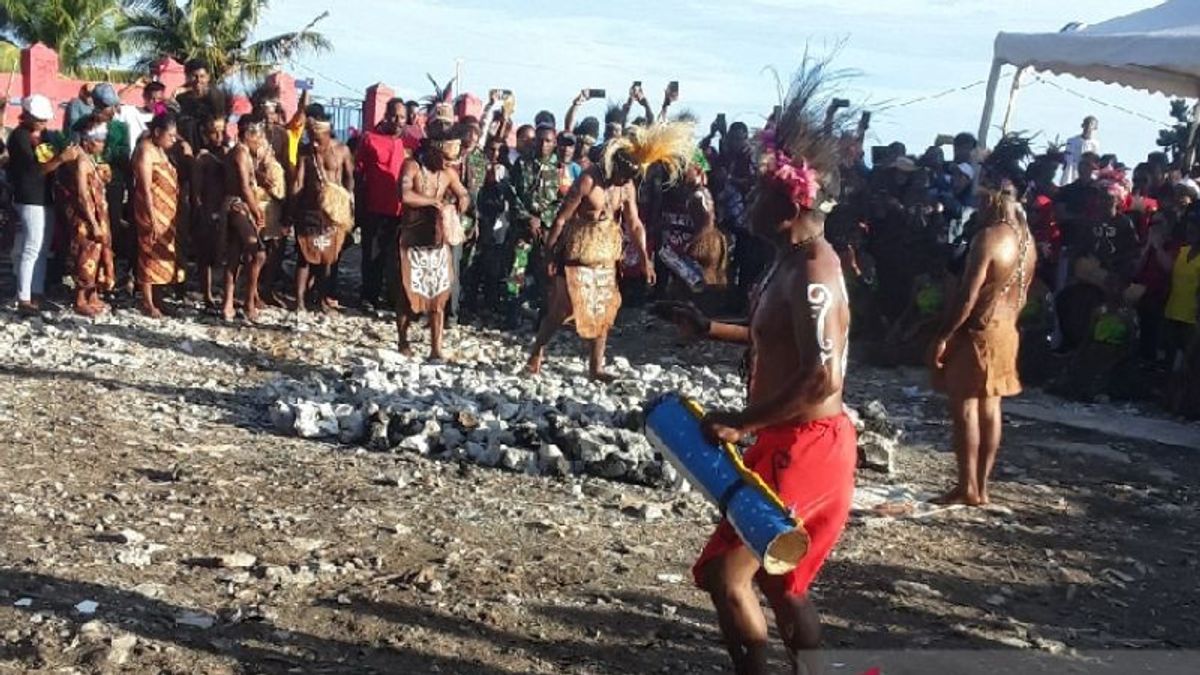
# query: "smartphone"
x,y
673,87
506,93
864,122
776,113
721,122
841,103
880,155
944,139
305,84
638,84
597,93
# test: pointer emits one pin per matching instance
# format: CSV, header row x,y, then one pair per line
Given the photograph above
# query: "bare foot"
x,y
229,313
151,311
601,376
99,305
273,299
84,309
330,309
534,367
405,349
955,497
252,312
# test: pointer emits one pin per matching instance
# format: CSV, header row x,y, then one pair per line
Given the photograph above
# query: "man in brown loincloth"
x,y
798,335
585,242
86,211
427,185
209,222
323,189
246,217
975,354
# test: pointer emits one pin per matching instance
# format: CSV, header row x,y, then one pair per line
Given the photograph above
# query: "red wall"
x,y
40,75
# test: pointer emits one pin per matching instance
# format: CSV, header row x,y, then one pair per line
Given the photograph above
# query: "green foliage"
x,y
1175,139
217,32
83,32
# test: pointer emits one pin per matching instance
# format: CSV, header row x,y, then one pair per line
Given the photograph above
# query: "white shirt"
x,y
138,121
1077,146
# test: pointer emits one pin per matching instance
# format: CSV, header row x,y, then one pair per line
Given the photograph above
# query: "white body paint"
x,y
820,299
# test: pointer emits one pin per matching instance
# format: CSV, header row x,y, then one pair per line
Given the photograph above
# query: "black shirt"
x,y
29,186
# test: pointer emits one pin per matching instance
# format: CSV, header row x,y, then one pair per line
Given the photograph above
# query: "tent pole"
x,y
989,102
1012,100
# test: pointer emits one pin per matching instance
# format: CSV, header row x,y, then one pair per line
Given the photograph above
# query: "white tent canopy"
x,y
1156,49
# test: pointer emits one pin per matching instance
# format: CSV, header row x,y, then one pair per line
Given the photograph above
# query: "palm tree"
x,y
218,32
83,32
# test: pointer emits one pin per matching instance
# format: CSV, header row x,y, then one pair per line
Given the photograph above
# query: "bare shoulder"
x,y
822,264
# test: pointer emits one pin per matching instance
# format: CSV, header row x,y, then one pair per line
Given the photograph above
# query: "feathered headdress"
x,y
440,105
671,144
799,154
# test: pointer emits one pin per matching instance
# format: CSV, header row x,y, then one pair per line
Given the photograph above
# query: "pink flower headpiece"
x,y
795,178
1114,182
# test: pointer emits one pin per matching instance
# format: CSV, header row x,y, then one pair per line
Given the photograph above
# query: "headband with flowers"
x,y
794,178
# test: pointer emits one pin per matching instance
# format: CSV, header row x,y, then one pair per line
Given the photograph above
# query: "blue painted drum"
x,y
760,518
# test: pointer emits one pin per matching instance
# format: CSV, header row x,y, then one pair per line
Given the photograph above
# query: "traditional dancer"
x,y
798,335
246,217
323,187
975,355
692,247
155,206
427,183
209,220
585,242
86,211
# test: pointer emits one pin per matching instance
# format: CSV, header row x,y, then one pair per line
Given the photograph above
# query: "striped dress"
x,y
156,226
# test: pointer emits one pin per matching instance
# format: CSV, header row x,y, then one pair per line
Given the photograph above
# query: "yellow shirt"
x,y
294,136
1185,287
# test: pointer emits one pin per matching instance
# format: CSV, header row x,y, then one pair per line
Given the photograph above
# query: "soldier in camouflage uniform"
x,y
535,179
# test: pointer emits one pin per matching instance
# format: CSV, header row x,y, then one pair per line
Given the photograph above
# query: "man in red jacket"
x,y
380,155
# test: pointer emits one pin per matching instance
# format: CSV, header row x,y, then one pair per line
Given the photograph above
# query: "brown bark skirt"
x,y
595,298
981,363
316,242
426,275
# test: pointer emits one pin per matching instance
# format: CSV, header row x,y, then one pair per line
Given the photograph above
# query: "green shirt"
x,y
536,183
474,170
117,151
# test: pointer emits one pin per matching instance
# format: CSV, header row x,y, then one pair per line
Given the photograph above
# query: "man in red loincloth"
x,y
798,336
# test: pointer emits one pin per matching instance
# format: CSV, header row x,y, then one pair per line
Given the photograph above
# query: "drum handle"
x,y
748,475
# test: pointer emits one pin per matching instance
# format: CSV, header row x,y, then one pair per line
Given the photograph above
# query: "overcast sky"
x,y
546,51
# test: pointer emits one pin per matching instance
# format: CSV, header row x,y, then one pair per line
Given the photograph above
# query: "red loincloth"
x,y
811,467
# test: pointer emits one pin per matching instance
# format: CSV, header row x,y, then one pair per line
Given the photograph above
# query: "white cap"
x,y
38,107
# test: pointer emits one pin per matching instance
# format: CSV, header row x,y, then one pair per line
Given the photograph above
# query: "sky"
x,y
724,55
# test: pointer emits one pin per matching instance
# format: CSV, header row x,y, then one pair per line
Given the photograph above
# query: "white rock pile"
x,y
557,423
